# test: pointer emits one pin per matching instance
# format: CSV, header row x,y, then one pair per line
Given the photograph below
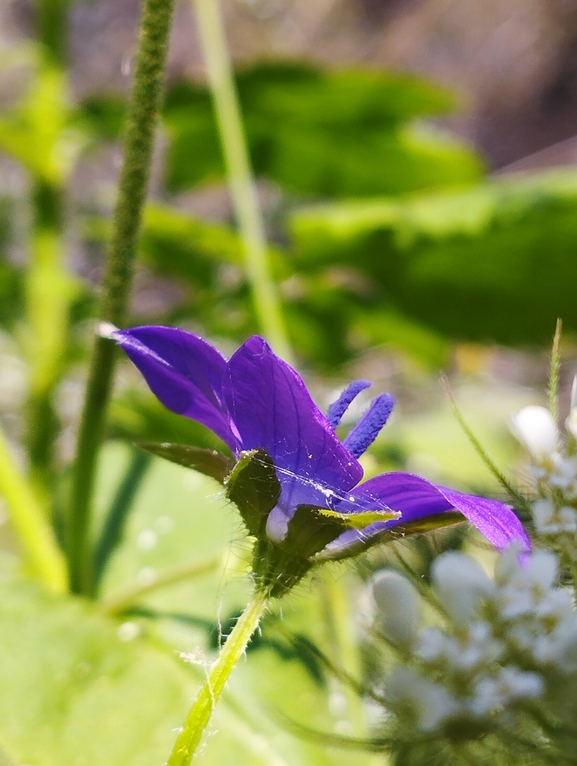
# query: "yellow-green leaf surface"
x,y
73,692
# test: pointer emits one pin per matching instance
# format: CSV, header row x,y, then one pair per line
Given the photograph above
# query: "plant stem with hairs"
x,y
143,109
203,707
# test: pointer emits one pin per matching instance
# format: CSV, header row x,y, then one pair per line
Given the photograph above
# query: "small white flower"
x,y
551,521
429,703
537,431
398,603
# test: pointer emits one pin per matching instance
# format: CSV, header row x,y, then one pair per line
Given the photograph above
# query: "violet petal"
x,y
416,498
183,371
272,410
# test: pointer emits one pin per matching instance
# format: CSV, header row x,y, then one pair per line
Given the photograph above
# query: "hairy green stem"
x,y
202,708
31,524
143,109
241,183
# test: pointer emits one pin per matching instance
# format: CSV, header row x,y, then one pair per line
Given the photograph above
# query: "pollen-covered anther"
x,y
370,425
338,408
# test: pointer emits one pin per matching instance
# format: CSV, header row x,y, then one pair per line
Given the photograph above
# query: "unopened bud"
x,y
398,604
536,430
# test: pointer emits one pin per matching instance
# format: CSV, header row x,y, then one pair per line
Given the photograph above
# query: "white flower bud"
x,y
536,430
571,422
460,582
398,604
574,394
541,570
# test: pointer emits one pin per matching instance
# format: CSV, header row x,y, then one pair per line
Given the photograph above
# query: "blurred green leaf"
x,y
74,692
138,416
103,116
495,263
322,133
40,132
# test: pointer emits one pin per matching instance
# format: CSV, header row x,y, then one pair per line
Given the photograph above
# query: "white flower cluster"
x,y
554,466
505,645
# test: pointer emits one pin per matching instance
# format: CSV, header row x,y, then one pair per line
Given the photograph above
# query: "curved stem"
x,y
144,105
241,183
203,706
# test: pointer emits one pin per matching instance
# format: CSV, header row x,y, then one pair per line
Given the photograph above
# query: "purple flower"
x,y
256,401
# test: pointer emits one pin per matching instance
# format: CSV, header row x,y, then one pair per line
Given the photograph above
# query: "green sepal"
x,y
253,487
278,566
359,520
206,461
427,524
409,528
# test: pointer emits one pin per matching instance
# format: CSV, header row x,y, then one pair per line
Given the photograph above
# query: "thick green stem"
x,y
30,522
241,182
202,708
143,109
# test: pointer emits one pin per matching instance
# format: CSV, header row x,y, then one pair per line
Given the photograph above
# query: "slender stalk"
x,y
335,603
143,109
31,524
49,289
241,183
554,371
113,528
126,597
202,708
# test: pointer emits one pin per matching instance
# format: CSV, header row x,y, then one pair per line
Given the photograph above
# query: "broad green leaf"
x,y
495,263
322,133
74,692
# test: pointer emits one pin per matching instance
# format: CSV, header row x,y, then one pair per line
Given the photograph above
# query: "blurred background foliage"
x,y
375,129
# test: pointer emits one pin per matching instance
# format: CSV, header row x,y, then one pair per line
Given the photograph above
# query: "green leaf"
x,y
322,133
254,488
137,416
468,264
74,692
209,462
103,116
